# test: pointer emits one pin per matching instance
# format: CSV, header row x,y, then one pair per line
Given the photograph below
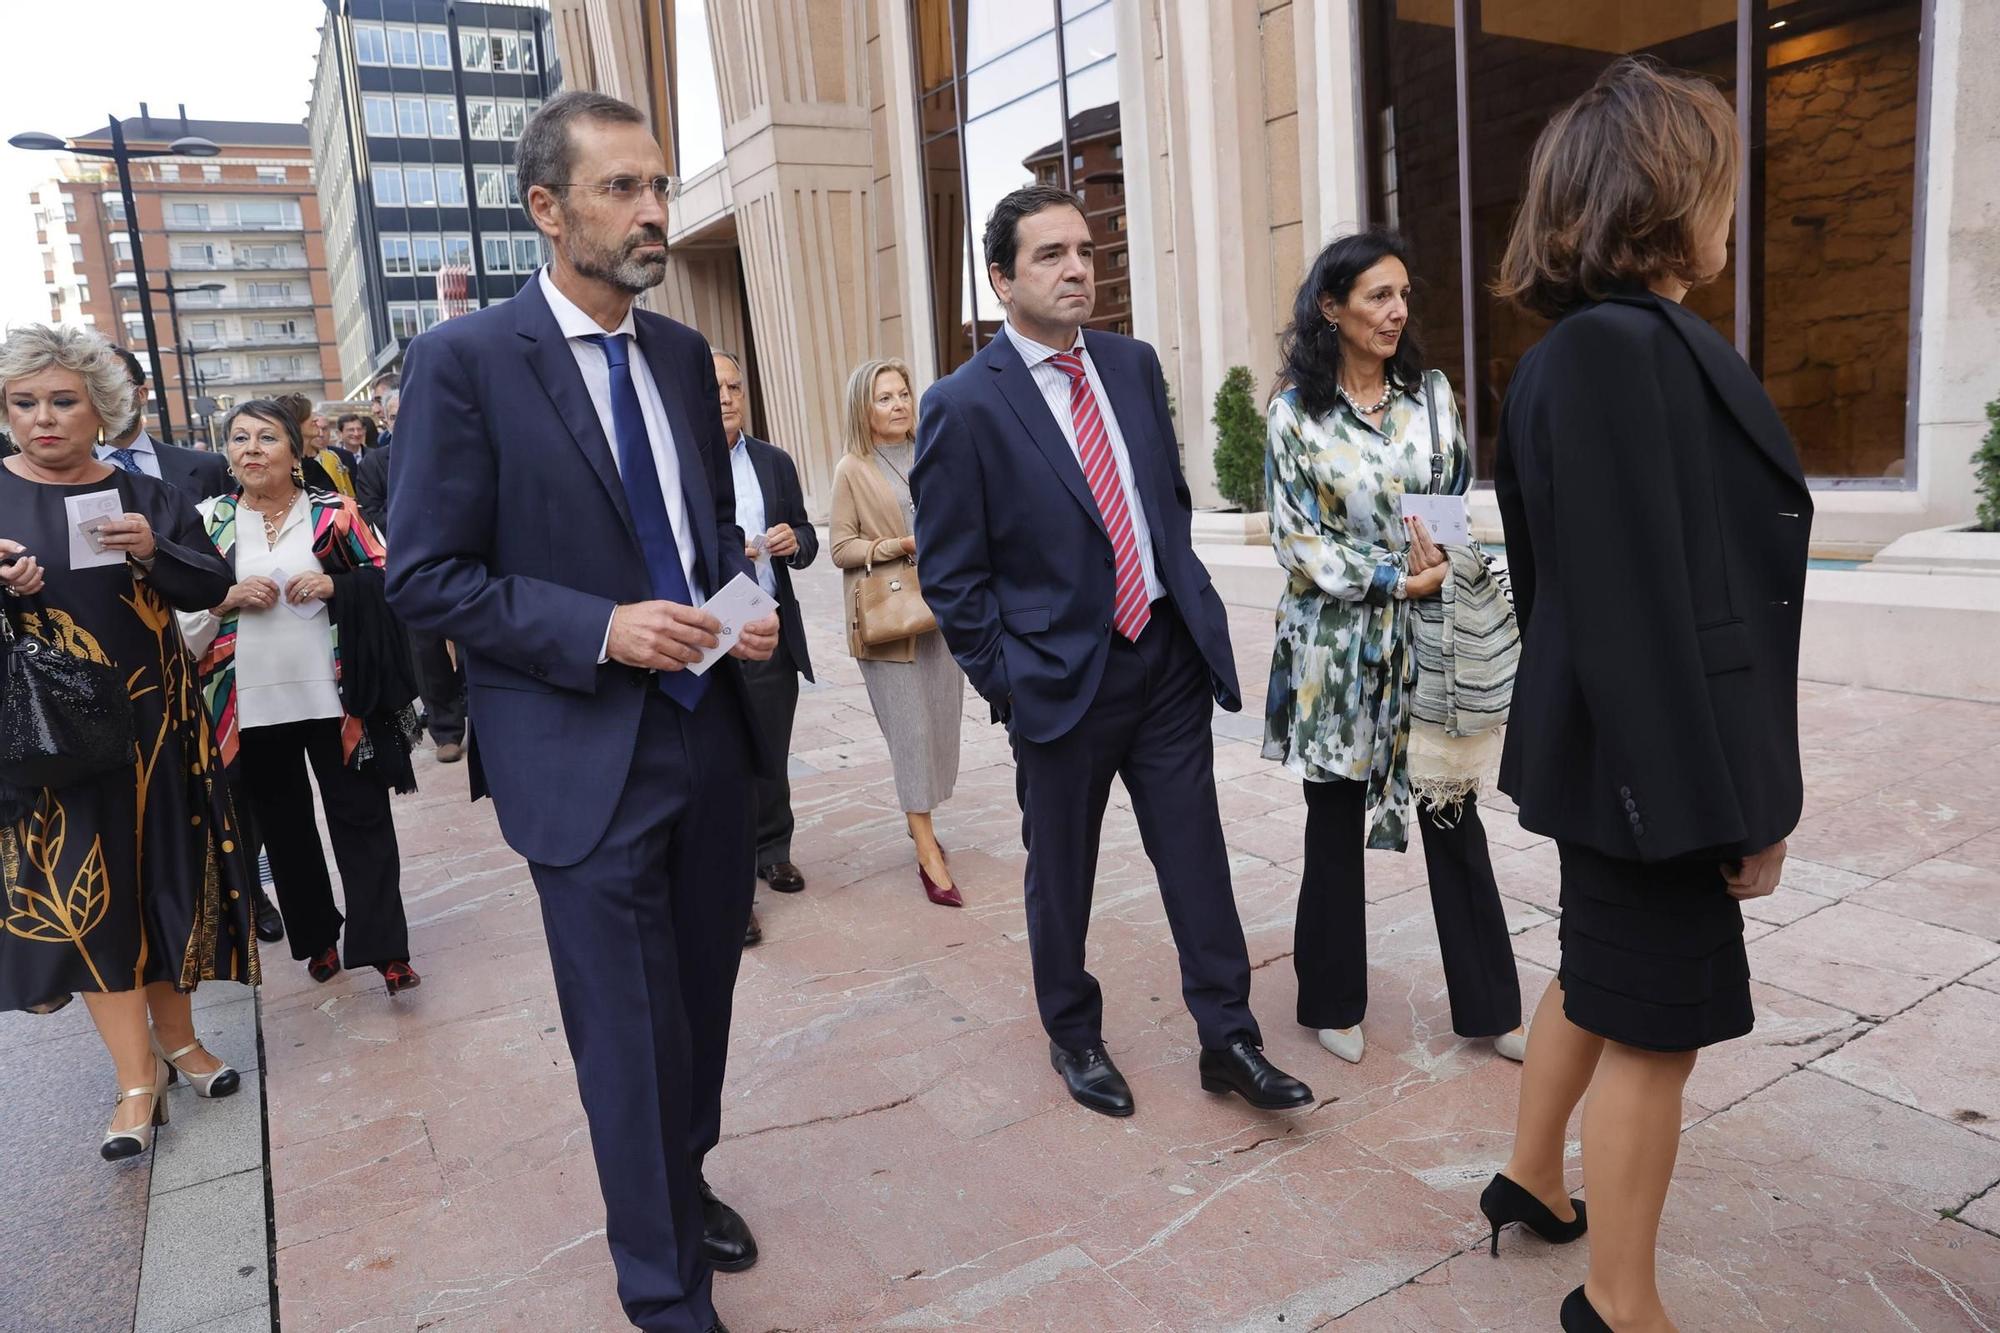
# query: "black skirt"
x,y
1652,955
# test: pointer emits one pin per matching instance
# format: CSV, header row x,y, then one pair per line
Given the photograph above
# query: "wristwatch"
x,y
1403,586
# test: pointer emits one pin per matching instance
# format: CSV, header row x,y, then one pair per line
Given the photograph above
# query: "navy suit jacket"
x,y
1012,553
514,540
785,502
195,473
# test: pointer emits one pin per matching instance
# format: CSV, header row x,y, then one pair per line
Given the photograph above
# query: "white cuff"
x,y
604,653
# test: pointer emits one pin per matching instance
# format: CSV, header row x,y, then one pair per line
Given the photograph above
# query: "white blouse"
x,y
284,656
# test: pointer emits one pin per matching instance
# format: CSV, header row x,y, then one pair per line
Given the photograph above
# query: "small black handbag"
x,y
64,719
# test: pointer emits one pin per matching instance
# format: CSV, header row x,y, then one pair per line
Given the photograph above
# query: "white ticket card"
x,y
87,513
1446,516
741,602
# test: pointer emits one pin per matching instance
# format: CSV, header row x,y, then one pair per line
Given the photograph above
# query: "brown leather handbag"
x,y
889,604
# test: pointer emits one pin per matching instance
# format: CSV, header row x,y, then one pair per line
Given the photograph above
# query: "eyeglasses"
x,y
626,189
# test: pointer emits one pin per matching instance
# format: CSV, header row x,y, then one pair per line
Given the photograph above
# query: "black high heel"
x,y
1505,1202
1580,1316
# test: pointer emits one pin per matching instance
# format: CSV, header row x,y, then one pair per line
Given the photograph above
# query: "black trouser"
x,y
1149,726
442,685
1331,943
273,762
645,935
774,696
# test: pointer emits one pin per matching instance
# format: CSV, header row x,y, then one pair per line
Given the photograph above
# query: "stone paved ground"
x,y
894,1133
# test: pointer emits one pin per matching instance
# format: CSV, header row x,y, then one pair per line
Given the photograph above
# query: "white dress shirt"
x,y
142,452
577,326
750,514
1054,385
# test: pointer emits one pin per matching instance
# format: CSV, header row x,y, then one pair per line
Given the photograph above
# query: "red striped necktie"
x,y
1130,607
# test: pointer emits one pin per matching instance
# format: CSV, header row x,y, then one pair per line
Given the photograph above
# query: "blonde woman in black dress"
x,y
130,888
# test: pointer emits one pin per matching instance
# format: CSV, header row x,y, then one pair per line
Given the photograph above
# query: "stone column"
x,y
795,102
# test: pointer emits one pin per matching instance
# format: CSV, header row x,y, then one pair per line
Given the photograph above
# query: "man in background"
x,y
196,473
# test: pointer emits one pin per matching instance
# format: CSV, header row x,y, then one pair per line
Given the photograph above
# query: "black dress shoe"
x,y
718,1327
1580,1316
1093,1080
270,926
1505,1202
1241,1068
726,1241
754,932
784,877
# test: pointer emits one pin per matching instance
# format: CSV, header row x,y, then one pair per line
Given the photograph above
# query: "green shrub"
x,y
1986,470
1239,441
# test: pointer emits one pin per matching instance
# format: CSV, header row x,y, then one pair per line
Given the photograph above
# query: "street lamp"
x,y
188,146
130,283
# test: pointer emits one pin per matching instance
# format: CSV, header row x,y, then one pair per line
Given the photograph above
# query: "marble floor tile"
x,y
1870,962
1941,1057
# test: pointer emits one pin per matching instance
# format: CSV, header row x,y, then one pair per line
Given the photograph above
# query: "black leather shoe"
x,y
718,1327
784,877
726,1241
270,926
1241,1068
1092,1079
754,932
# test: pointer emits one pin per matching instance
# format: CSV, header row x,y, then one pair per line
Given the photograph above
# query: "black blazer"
x,y
1657,524
371,487
785,502
196,473
1011,551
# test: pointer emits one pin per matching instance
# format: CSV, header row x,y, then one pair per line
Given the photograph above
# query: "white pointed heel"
x,y
1512,1046
1347,1043
120,1144
217,1083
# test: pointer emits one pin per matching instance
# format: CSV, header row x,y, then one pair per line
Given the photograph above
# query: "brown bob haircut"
x,y
1622,185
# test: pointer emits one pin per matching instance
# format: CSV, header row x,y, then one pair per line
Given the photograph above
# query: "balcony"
x,y
301,300
251,340
228,263
223,224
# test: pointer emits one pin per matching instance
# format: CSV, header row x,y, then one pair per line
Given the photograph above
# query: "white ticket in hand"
x,y
305,608
1444,515
741,602
87,515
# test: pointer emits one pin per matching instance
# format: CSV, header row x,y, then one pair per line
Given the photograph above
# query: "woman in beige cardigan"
x,y
915,687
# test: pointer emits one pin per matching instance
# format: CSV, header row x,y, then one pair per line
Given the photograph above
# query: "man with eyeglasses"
x,y
563,504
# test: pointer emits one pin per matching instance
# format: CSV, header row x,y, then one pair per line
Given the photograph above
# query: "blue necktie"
x,y
126,459
649,507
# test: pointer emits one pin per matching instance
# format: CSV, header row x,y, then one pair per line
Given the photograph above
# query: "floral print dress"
x,y
1338,704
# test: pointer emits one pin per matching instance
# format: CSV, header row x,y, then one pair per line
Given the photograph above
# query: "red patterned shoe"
x,y
399,977
325,966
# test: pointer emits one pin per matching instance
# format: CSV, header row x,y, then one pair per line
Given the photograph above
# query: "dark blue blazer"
x,y
1011,550
785,502
514,540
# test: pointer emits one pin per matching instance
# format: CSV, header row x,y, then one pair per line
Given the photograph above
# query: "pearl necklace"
x,y
1388,396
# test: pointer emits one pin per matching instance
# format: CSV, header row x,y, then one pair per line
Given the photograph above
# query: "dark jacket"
x,y
512,537
196,473
371,487
785,502
1657,524
1011,551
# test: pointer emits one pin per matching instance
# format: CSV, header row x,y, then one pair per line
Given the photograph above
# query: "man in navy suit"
x,y
1053,526
195,473
771,510
561,505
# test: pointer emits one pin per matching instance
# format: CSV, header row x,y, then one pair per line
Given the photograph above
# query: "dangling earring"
x,y
299,475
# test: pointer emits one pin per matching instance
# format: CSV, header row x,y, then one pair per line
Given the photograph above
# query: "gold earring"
x,y
298,476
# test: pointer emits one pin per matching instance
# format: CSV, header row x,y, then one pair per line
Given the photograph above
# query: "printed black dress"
x,y
137,876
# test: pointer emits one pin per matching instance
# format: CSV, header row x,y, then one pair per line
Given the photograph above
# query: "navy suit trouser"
x,y
645,934
1148,725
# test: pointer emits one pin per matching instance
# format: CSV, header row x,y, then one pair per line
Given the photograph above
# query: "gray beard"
x,y
620,270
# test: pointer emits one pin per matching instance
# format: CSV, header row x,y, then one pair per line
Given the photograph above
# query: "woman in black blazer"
x,y
1656,522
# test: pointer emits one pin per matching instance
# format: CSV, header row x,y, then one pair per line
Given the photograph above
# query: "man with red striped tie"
x,y
1053,545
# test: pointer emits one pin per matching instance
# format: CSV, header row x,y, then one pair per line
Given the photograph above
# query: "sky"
x,y
76,62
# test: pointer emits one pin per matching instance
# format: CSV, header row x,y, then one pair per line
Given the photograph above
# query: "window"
x,y
121,249
482,118
474,50
169,171
194,254
380,114
267,213
458,251
499,255
114,207
506,52
274,328
451,186
403,319
527,253
428,251
396,256
82,292
205,330
990,114
370,46
270,175
403,46
410,122
490,187
697,111
270,291
1797,254
211,174
419,187
527,53
444,118
432,314
214,367
513,119
513,188
435,44
76,252
388,186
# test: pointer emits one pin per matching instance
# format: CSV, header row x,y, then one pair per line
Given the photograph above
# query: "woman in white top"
x,y
298,667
